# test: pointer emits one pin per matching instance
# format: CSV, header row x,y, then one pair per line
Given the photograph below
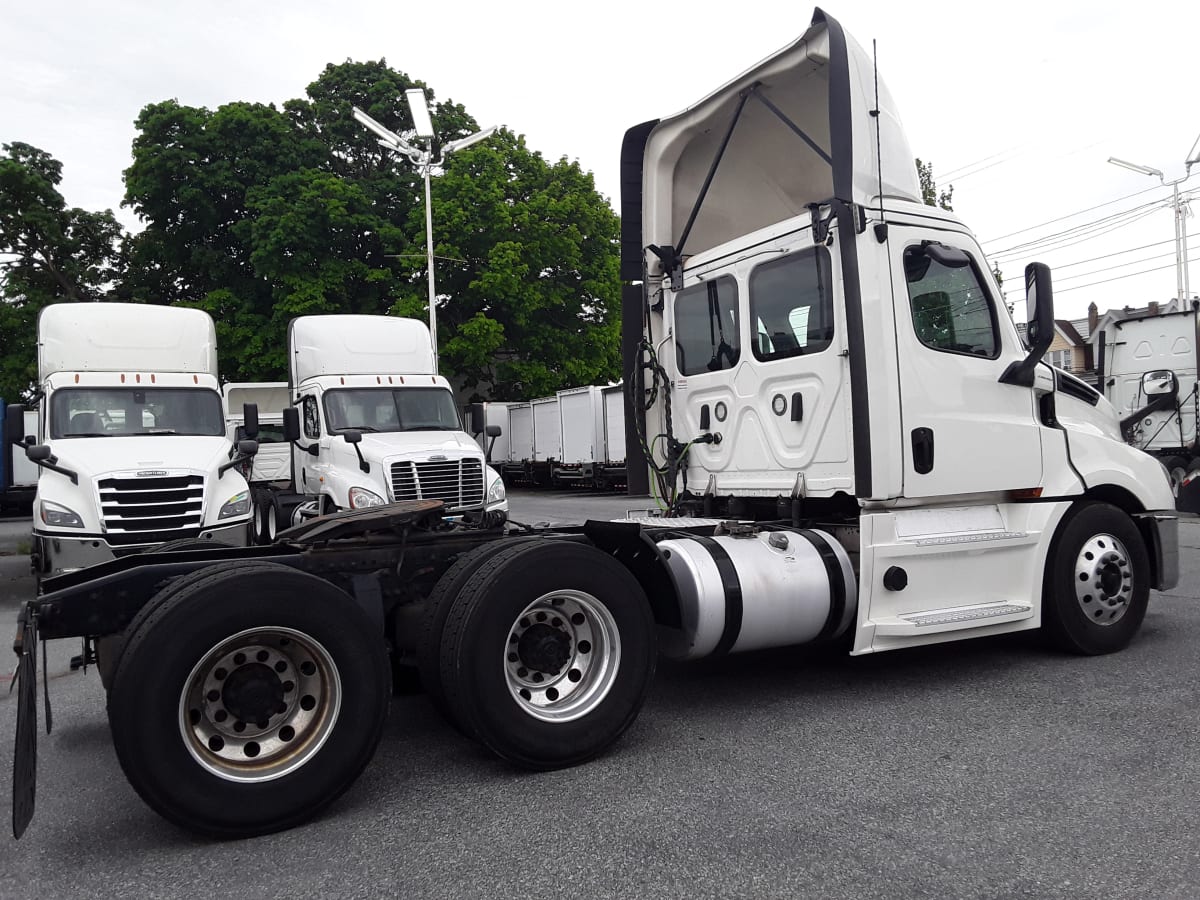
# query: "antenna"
x,y
878,140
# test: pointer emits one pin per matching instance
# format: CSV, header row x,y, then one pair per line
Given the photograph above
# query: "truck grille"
x,y
457,483
141,510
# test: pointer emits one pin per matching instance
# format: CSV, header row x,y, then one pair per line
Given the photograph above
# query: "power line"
x,y
1080,233
1080,262
1071,215
1132,262
1119,277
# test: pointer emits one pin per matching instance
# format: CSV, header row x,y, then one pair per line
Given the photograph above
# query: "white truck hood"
x,y
136,456
391,447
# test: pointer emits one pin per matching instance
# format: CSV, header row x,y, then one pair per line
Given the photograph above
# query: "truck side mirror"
x,y
250,419
247,448
1039,327
291,424
14,425
352,436
493,431
1161,382
477,418
38,453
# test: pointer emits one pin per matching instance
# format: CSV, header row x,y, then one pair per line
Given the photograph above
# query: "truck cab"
x,y
820,345
377,424
131,444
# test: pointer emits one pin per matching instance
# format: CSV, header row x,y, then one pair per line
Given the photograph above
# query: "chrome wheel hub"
x,y
562,656
1103,579
260,704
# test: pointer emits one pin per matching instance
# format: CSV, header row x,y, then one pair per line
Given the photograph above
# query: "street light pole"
x,y
422,159
1180,206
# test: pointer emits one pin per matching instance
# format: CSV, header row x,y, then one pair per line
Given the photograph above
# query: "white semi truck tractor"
x,y
131,440
853,445
373,423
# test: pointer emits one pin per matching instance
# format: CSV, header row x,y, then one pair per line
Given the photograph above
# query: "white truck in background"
x,y
131,442
373,423
271,467
1147,368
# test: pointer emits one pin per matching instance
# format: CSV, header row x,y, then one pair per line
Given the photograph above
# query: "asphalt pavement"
x,y
991,768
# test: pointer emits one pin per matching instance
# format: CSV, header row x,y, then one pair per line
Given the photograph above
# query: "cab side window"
x,y
312,422
791,305
706,327
951,310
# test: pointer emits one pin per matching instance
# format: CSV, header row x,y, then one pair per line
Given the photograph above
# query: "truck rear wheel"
x,y
437,609
548,652
1177,469
1097,581
248,699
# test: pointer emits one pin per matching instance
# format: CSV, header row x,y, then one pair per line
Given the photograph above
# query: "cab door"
x,y
964,431
759,352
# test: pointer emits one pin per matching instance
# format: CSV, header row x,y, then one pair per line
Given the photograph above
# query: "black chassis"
x,y
361,551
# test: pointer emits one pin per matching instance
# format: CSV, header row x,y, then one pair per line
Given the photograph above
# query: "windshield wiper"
x,y
357,428
161,431
427,428
87,434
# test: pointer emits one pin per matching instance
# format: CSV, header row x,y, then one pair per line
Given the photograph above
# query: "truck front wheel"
x,y
547,653
1097,581
248,699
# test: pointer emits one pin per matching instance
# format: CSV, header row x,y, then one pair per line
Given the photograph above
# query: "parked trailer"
x,y
581,437
18,475
814,497
515,465
611,470
547,439
492,433
271,468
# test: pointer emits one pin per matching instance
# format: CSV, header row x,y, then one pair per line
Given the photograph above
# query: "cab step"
x,y
953,618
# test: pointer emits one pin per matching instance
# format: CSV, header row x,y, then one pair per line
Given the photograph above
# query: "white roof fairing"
x,y
768,172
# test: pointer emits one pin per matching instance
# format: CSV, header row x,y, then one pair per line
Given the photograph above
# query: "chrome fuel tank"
x,y
767,589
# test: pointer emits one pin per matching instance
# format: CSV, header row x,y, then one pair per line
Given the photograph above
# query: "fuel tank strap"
x,y
732,587
837,583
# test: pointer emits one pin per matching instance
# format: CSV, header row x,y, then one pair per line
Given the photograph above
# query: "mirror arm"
x,y
362,463
52,465
1164,401
236,461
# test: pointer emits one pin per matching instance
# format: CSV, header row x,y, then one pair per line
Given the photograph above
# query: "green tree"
x,y
258,215
929,189
49,253
529,295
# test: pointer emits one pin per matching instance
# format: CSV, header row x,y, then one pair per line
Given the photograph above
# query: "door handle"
x,y
922,450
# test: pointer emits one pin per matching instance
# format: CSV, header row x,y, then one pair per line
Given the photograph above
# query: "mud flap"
x,y
1188,498
25,752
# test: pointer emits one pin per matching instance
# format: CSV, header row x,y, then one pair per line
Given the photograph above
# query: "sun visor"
x,y
796,129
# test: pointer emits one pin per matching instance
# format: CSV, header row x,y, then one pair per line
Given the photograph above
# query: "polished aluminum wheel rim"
x,y
562,656
260,704
1103,580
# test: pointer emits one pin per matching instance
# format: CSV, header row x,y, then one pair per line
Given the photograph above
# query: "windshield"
x,y
392,409
119,411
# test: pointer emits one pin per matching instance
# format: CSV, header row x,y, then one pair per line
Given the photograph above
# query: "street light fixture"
x,y
422,158
1182,285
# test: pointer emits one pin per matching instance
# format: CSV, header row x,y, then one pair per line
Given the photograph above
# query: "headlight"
x,y
60,516
237,505
361,498
496,492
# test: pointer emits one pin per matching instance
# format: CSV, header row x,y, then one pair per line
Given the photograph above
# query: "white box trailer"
x,y
581,425
18,474
514,465
612,465
547,439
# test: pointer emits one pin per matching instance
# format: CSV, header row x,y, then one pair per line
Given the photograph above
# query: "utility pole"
x,y
1182,211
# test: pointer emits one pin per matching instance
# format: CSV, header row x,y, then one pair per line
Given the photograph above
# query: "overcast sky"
x,y
1021,106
